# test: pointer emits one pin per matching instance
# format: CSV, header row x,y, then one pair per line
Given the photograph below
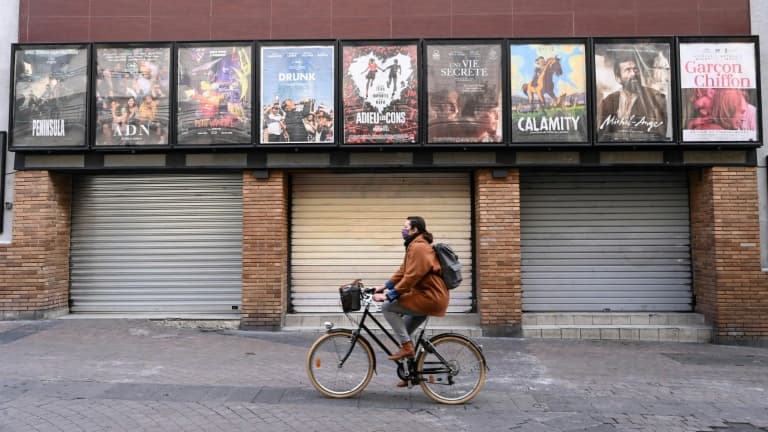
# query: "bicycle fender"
x,y
361,339
470,341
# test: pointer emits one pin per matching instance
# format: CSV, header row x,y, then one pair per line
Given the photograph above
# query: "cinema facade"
x,y
600,186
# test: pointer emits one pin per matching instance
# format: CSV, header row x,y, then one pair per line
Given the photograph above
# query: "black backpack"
x,y
449,261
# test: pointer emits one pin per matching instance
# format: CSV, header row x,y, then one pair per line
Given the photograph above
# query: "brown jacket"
x,y
418,280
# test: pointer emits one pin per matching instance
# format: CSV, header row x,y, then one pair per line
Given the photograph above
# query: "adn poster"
x,y
719,92
633,92
50,96
549,96
214,94
132,102
464,84
297,94
381,94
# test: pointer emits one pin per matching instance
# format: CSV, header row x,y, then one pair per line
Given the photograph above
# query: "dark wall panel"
x,y
142,20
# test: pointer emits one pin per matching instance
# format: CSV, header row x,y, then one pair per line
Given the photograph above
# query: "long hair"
x,y
727,104
420,224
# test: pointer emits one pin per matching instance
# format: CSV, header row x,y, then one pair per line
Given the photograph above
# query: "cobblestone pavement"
x,y
138,375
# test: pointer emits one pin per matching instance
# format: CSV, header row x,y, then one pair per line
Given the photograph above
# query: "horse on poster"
x,y
545,83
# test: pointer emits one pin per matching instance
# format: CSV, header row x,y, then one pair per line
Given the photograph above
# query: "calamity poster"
x,y
549,98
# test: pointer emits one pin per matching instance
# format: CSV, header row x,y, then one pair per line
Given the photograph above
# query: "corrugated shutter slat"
x,y
347,226
166,244
608,240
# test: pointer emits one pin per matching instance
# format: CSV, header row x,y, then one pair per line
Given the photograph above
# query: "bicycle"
x,y
449,367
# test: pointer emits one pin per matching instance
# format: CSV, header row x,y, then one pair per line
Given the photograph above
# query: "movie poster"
x,y
50,87
719,92
381,94
464,93
214,94
132,104
549,97
633,92
297,94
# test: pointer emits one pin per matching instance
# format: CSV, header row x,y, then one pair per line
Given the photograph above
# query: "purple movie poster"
x,y
381,94
214,94
132,104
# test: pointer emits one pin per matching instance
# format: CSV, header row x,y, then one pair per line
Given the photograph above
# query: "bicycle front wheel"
x,y
329,375
454,373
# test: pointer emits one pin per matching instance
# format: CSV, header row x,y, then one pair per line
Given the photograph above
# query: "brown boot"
x,y
406,350
402,384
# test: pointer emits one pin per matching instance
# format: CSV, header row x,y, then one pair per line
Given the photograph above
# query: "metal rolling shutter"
x,y
605,240
347,226
165,244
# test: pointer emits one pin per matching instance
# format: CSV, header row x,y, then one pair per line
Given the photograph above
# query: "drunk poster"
x,y
50,96
132,103
381,94
633,92
719,92
464,84
297,94
214,94
549,97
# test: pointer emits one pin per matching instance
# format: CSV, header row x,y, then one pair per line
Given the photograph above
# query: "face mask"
x,y
405,232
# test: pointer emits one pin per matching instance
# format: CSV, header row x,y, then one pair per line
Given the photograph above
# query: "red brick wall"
x,y
34,269
265,250
497,249
703,244
725,216
139,20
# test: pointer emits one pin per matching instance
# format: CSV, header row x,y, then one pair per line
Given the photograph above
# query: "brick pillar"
x,y
731,288
497,246
34,268
265,251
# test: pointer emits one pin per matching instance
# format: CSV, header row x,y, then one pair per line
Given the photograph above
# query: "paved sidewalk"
x,y
137,375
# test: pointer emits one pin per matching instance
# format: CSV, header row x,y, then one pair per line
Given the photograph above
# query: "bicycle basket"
x,y
350,296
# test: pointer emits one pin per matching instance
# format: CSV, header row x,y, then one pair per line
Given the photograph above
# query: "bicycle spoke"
x,y
454,373
331,377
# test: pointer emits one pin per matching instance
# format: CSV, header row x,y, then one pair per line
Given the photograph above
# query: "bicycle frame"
x,y
420,342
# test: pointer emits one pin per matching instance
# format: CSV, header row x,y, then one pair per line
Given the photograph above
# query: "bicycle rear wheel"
x,y
326,372
458,377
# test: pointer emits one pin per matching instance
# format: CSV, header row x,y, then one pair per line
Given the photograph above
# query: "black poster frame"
x,y
258,138
12,99
503,108
423,59
175,141
755,40
171,95
672,96
3,161
419,83
587,90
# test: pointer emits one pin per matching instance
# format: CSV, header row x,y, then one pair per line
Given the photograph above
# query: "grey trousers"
x,y
403,321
